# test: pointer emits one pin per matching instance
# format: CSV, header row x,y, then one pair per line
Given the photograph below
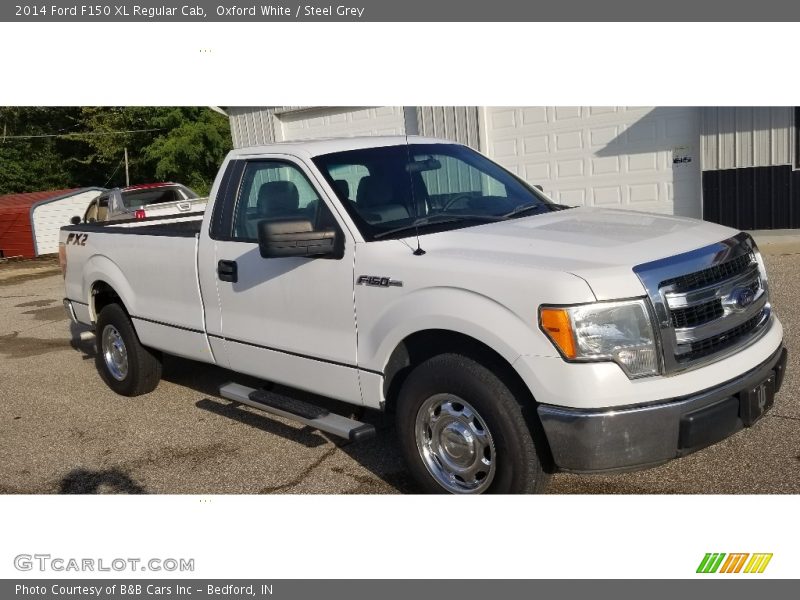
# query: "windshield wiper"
x,y
524,209
437,220
529,208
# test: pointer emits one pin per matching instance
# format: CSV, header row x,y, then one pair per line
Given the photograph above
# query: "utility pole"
x,y
127,174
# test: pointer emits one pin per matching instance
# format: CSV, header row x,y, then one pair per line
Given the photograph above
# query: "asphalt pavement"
x,y
63,431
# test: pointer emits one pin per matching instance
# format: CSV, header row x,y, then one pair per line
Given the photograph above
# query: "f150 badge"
x,y
377,281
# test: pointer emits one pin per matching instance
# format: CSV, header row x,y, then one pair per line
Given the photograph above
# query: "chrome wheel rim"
x,y
115,353
455,444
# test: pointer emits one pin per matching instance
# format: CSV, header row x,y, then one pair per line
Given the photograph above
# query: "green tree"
x,y
85,146
164,143
193,145
109,130
37,150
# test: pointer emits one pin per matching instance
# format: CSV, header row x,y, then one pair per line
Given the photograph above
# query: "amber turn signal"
x,y
555,322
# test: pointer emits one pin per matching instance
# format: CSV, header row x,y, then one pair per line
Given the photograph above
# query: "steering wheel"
x,y
454,199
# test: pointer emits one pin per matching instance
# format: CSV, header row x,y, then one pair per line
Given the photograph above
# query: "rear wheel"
x,y
462,430
125,365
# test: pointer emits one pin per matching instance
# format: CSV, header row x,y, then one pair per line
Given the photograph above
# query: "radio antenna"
x,y
419,251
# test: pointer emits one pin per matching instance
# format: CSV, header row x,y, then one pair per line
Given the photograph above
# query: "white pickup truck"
x,y
511,337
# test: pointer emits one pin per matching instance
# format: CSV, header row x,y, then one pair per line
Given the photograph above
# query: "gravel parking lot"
x,y
63,431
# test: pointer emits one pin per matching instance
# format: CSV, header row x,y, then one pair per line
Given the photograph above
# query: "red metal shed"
x,y
26,230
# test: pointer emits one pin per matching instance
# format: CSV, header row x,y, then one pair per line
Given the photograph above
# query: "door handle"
x,y
227,270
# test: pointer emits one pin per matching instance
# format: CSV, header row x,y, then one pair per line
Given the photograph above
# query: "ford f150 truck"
x,y
510,336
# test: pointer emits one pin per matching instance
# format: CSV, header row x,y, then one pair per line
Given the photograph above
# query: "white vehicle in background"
x,y
144,201
512,337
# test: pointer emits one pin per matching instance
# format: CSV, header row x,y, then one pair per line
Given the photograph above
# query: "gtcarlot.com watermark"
x,y
59,564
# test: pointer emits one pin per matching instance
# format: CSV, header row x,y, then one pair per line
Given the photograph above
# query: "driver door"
x,y
290,320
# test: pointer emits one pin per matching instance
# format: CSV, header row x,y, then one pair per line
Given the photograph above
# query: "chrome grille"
x,y
723,340
707,303
710,276
695,315
698,314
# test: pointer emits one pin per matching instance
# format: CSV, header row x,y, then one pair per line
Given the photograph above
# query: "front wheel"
x,y
462,430
126,366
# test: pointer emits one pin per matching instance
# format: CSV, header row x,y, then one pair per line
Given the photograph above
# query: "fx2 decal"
x,y
77,239
376,281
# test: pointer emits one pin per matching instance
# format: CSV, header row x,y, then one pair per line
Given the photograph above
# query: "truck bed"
x,y
152,265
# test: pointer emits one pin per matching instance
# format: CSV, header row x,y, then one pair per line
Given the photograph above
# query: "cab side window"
x,y
90,216
102,208
276,191
97,211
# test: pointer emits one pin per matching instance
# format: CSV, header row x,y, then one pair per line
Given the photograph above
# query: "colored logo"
x,y
741,297
741,562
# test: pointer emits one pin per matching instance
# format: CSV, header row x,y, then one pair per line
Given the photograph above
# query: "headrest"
x,y
278,197
342,188
373,191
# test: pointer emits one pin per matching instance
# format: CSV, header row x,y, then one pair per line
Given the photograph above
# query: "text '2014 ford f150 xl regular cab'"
x,y
511,336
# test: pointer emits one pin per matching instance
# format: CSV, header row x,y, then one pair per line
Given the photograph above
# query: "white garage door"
x,y
637,158
339,122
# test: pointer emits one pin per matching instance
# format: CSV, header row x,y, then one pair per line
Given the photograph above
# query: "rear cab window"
x,y
141,198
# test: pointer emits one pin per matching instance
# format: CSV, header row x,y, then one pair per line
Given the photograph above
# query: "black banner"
x,y
464,589
406,10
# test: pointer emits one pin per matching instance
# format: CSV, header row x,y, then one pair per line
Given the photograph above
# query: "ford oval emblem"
x,y
742,297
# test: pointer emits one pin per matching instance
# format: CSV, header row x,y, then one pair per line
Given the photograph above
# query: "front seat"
x,y
375,200
277,200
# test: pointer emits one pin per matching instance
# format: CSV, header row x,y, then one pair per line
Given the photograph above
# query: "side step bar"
x,y
297,410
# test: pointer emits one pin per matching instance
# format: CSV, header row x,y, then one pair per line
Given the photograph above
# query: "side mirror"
x,y
294,238
76,220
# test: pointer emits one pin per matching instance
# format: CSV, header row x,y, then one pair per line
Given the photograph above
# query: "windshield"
x,y
390,191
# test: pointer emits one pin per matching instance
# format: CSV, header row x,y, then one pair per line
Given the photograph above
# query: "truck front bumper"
x,y
636,437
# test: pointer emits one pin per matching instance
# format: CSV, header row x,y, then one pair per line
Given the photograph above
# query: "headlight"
x,y
613,331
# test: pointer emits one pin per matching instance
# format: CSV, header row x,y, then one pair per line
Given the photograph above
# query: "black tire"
x,y
143,365
518,465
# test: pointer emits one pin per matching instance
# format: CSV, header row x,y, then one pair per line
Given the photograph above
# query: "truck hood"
x,y
600,246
